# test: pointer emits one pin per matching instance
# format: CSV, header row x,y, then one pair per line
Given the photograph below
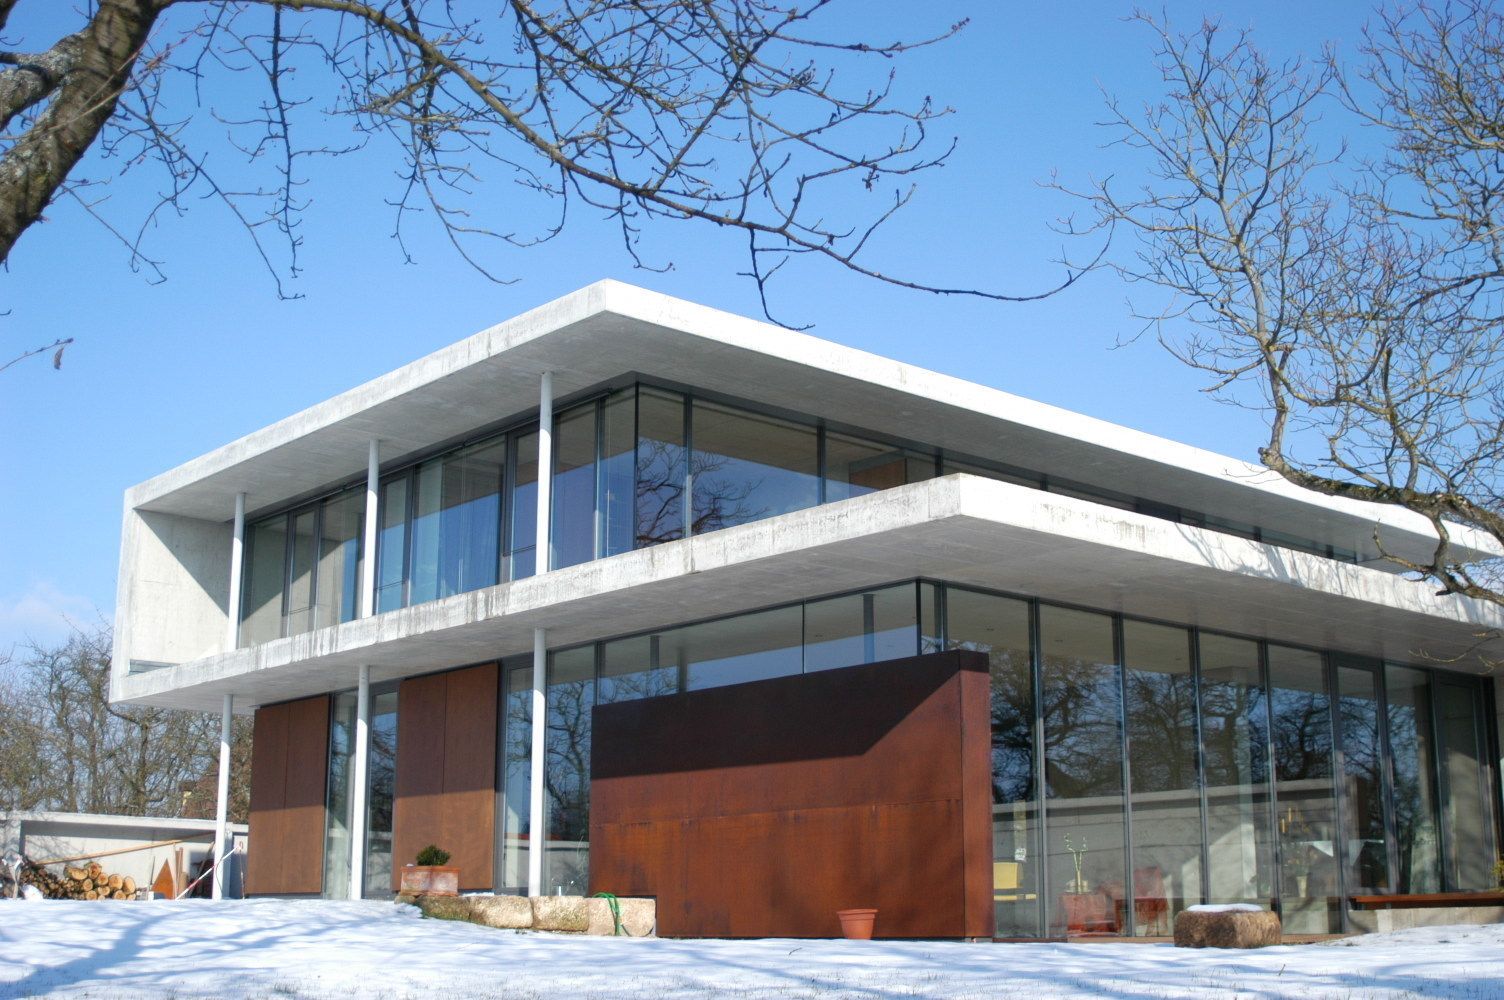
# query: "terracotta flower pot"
x,y
856,925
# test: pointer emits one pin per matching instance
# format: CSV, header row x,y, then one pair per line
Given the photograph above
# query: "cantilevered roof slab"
x,y
608,330
959,529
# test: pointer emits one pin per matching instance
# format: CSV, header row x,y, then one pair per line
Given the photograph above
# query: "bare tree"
x,y
748,115
63,745
1358,306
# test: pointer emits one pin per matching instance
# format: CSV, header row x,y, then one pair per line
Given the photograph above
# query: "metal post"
x,y
542,553
237,557
222,805
368,563
536,835
358,785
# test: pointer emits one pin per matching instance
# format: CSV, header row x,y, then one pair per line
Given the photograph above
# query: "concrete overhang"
x,y
959,529
609,329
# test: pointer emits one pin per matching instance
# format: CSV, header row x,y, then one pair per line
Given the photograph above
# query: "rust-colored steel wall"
x,y
446,771
759,810
289,768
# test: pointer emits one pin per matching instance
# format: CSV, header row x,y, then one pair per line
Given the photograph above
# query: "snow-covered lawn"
x,y
275,948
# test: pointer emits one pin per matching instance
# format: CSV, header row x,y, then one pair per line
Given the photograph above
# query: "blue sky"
x,y
163,372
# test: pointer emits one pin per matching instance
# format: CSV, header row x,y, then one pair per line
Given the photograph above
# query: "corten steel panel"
x,y
469,796
289,770
304,809
263,863
760,809
446,770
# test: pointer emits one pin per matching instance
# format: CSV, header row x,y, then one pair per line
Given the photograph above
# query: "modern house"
x,y
845,632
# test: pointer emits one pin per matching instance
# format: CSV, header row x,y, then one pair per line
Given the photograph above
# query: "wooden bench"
x,y
1427,899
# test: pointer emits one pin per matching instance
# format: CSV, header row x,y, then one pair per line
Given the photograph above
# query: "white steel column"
x,y
536,835
542,559
222,805
358,785
368,565
237,557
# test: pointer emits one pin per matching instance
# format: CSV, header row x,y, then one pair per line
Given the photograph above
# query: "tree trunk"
x,y
85,76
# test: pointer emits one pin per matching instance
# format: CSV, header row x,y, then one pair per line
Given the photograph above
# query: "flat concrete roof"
x,y
961,529
609,329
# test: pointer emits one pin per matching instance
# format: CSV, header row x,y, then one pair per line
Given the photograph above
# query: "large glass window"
x,y
866,627
1163,774
339,804
573,529
300,574
855,467
662,467
1416,844
747,467
456,523
338,585
635,668
999,627
1468,803
1235,734
734,650
1365,842
381,776
522,533
1083,738
618,469
266,569
516,776
571,696
1310,900
391,564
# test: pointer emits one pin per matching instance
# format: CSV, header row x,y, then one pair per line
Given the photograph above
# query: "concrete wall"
x,y
173,589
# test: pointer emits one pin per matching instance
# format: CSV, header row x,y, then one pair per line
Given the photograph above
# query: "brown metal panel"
x,y
422,703
263,864
289,769
469,794
760,809
976,803
304,809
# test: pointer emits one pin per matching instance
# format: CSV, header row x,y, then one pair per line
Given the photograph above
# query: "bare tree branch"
x,y
1361,308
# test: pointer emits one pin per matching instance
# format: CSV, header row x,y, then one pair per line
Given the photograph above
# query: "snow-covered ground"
x,y
276,948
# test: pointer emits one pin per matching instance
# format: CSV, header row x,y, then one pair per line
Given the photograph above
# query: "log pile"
x,y
89,881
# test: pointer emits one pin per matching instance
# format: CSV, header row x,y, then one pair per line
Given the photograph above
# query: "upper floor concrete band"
x,y
1086,511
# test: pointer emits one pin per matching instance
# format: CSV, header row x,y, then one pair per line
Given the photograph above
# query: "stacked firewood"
x,y
89,881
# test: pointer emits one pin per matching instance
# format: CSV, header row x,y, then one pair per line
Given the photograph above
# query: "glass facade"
x,y
632,467
1164,773
1137,767
302,568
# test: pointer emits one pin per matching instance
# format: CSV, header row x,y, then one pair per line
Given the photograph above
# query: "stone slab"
x,y
502,912
560,913
1227,929
639,917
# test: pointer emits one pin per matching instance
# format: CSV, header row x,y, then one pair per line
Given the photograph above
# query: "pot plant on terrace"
x,y
430,875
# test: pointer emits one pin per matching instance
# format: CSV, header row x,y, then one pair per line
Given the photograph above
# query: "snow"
x,y
1225,908
319,949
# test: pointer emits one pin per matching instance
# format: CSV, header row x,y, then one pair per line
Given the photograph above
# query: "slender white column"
x,y
368,565
237,557
358,785
543,560
222,804
535,831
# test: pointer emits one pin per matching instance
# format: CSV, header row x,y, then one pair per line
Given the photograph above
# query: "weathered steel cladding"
x,y
760,809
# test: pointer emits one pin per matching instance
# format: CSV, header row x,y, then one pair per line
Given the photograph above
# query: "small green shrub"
x,y
432,855
1499,872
